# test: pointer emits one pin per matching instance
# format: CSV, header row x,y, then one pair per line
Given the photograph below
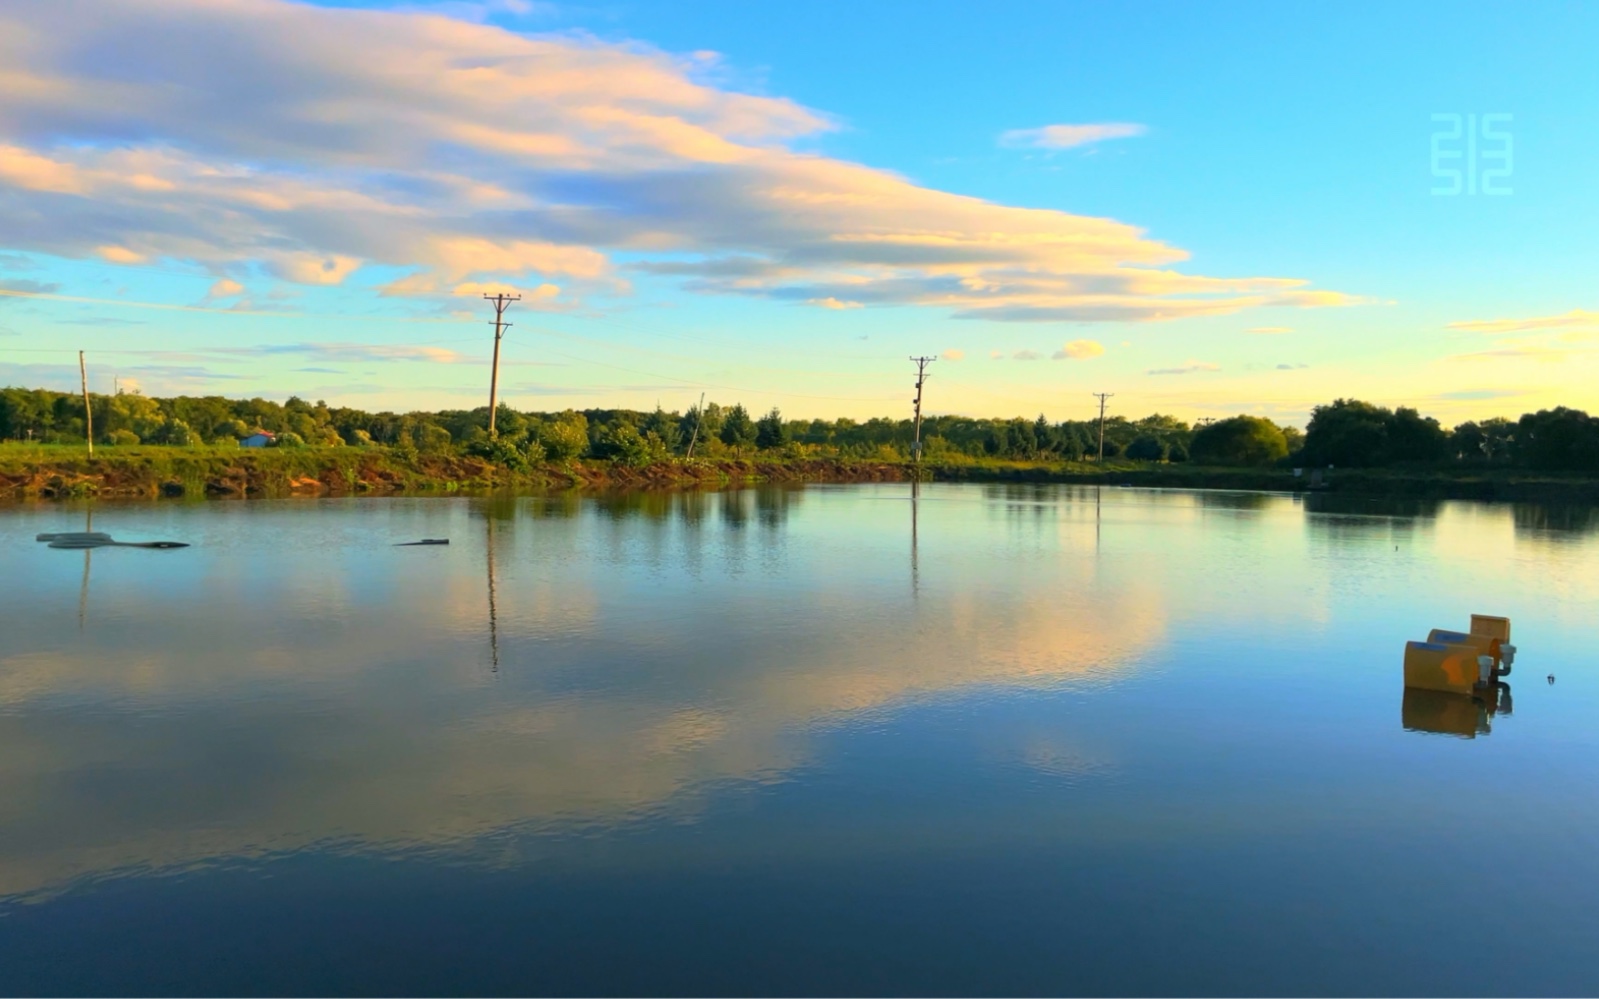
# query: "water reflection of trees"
x,y
1031,494
1237,501
1555,519
768,505
1398,507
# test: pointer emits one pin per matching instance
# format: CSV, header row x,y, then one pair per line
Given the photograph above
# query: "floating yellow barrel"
x,y
1497,628
1441,666
1449,660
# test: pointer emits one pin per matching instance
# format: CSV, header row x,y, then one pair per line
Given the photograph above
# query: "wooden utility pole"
x,y
1101,396
501,302
88,410
699,417
921,378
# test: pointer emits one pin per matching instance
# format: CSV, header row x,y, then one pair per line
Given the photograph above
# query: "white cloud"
x,y
1574,318
313,141
225,288
1079,350
1270,330
954,354
1027,355
1190,367
357,352
1068,136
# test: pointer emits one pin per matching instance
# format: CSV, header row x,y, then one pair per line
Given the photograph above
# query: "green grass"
x,y
66,470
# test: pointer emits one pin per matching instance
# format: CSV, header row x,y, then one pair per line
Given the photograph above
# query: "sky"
x,y
1202,209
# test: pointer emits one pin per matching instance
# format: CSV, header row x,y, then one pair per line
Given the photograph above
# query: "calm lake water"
x,y
1004,740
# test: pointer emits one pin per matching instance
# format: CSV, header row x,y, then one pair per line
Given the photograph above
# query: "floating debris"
x,y
79,540
424,541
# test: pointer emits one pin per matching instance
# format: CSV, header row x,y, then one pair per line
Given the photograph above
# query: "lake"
x,y
1001,740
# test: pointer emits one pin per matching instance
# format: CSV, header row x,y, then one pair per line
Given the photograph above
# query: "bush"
x,y
121,438
432,439
1147,448
566,437
624,445
179,433
501,451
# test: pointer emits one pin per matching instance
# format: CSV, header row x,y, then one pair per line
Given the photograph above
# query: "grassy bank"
x,y
65,471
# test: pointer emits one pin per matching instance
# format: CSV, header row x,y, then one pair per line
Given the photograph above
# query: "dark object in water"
x,y
78,540
424,541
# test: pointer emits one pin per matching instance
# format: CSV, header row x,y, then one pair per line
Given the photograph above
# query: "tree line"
x,y
1343,433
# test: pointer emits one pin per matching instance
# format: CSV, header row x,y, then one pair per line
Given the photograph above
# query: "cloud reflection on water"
x,y
299,683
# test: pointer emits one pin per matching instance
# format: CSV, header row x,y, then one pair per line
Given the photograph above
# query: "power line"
x,y
501,301
700,383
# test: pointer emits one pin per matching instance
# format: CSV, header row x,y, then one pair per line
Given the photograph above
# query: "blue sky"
x,y
778,204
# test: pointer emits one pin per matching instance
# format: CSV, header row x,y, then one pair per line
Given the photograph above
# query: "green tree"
x,y
665,426
1239,441
133,412
566,437
623,444
179,433
1413,437
1558,439
738,430
771,431
1346,432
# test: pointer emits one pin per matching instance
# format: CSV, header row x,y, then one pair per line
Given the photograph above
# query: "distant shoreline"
x,y
153,472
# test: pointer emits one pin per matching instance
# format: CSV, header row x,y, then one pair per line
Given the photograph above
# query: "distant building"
x,y
261,438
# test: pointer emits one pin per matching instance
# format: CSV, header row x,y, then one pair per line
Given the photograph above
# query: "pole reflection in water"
x,y
1097,491
915,574
83,590
494,622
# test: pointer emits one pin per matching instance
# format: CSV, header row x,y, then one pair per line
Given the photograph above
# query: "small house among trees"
x,y
261,438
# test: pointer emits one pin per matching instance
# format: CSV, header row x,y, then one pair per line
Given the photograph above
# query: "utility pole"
x,y
921,377
699,417
501,302
88,411
1101,396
